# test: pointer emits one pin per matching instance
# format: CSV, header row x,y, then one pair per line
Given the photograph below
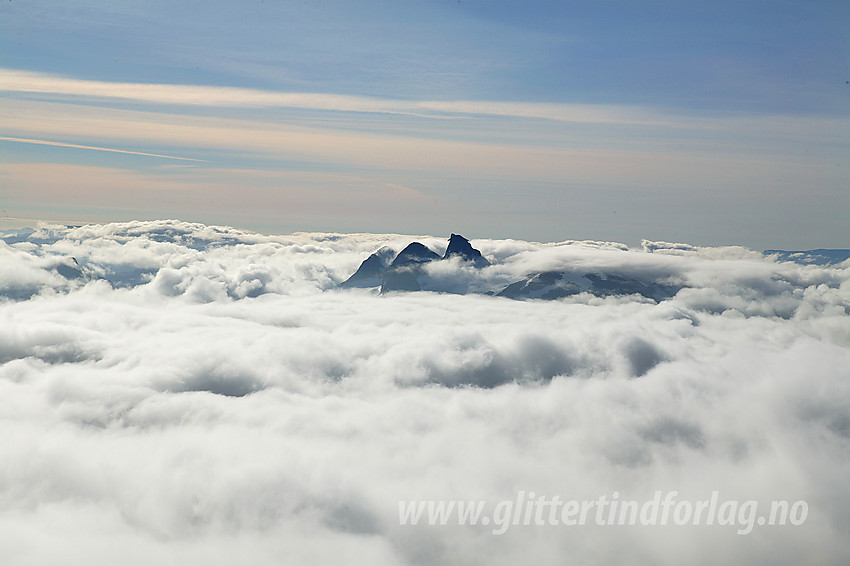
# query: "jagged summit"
x,y
414,253
409,271
406,271
460,246
371,271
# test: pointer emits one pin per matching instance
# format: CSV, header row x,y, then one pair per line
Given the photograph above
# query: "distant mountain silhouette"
x,y
548,285
460,246
414,253
371,271
551,285
407,272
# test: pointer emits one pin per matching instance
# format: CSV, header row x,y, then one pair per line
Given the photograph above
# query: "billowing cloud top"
x,y
178,390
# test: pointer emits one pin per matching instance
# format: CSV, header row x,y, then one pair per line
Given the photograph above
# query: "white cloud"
x,y
221,399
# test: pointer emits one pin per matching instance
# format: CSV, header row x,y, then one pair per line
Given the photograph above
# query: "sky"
x,y
710,123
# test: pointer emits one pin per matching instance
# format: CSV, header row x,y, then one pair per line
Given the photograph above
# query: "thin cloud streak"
x,y
661,172
393,152
197,95
25,82
579,173
94,148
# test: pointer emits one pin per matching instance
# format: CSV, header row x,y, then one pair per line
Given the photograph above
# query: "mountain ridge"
x,y
408,272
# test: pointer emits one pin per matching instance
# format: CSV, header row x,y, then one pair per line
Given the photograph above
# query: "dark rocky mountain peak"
x,y
407,270
371,271
460,246
413,253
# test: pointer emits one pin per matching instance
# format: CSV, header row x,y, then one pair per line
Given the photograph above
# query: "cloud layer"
x,y
184,393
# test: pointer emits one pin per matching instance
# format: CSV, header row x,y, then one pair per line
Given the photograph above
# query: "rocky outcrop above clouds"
x,y
417,268
460,247
371,271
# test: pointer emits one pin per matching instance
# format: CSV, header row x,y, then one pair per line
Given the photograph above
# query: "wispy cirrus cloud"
x,y
217,96
598,160
586,161
28,82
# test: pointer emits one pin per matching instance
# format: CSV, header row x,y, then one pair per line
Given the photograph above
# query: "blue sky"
x,y
712,123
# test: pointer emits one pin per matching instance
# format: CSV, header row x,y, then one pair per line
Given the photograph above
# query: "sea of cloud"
x,y
175,393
